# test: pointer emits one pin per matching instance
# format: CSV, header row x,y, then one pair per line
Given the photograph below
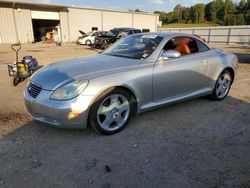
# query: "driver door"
x,y
179,77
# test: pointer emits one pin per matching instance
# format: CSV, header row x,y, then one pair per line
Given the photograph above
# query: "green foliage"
x,y
198,13
240,19
223,12
136,10
178,13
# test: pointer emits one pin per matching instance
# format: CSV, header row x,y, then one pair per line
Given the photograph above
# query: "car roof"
x,y
168,34
124,28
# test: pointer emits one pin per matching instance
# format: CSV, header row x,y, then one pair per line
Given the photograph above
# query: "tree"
x,y
178,13
217,6
223,12
162,17
231,20
244,8
211,12
198,13
185,14
240,20
138,10
229,8
170,17
242,4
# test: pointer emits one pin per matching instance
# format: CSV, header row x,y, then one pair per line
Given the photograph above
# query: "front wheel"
x,y
88,42
222,86
104,44
111,112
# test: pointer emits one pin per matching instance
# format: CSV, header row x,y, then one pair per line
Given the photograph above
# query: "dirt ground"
x,y
198,143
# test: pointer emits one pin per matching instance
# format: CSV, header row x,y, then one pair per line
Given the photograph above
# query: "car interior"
x,y
185,45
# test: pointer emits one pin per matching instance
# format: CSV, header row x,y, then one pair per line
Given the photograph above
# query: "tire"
x,y
104,44
16,81
222,86
111,111
88,42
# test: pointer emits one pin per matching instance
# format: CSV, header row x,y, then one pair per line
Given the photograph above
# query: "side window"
x,y
201,47
185,45
145,30
130,32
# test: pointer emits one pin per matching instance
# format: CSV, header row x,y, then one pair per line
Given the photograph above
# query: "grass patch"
x,y
183,25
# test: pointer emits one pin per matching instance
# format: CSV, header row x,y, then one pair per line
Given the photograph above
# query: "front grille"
x,y
34,90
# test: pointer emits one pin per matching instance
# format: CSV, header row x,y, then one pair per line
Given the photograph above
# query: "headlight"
x,y
70,90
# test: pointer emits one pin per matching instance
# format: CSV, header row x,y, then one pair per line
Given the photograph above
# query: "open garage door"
x,y
46,26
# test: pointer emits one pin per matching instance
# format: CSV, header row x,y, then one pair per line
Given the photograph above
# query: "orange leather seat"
x,y
183,49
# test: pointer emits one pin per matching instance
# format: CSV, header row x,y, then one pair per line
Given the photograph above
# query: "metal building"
x,y
27,22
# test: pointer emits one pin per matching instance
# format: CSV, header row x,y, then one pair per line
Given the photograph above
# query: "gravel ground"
x,y
198,143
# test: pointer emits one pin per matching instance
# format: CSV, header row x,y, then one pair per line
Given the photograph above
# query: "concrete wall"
x,y
225,34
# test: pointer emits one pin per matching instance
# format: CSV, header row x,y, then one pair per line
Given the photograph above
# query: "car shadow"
x,y
93,48
243,58
178,145
243,47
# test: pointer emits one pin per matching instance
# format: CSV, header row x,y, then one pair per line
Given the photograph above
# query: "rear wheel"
x,y
111,112
16,81
222,86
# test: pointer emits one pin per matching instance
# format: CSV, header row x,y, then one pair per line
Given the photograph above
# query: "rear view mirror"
x,y
169,54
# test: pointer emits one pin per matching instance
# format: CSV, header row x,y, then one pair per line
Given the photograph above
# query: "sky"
x,y
145,5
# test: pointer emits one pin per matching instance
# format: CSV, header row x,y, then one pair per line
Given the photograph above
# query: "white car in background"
x,y
88,38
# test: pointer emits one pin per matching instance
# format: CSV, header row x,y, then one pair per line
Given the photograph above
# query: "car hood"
x,y
60,73
83,33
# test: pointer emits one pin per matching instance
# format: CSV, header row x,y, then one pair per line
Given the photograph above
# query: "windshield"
x,y
89,33
135,46
112,33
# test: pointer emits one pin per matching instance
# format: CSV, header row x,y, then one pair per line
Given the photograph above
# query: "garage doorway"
x,y
46,30
46,26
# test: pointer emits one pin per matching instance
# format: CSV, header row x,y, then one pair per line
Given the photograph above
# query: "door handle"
x,y
204,62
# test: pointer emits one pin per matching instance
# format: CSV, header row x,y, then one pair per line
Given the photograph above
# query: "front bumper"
x,y
55,113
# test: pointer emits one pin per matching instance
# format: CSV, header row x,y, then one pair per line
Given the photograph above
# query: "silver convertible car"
x,y
138,73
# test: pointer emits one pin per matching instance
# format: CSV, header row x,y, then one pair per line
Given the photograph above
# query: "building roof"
x,y
16,3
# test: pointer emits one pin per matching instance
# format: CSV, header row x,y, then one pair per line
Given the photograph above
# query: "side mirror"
x,y
121,35
169,54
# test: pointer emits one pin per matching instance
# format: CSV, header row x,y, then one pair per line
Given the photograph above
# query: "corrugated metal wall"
x,y
85,19
16,24
116,19
7,26
64,26
227,34
144,21
82,19
24,25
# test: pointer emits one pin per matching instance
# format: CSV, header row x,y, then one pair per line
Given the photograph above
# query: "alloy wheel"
x,y
223,85
113,112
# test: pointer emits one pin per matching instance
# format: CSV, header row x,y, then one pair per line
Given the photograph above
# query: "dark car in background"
x,y
112,36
